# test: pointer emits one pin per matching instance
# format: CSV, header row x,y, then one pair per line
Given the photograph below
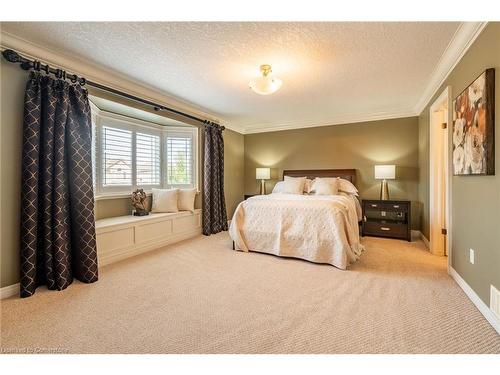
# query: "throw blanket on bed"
x,y
322,229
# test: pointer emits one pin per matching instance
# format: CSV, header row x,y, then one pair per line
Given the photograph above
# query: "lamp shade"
x,y
262,173
267,83
385,172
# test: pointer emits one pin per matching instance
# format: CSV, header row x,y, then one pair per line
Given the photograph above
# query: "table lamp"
x,y
384,173
263,174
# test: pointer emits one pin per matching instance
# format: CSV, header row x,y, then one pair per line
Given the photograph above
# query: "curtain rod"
x,y
26,64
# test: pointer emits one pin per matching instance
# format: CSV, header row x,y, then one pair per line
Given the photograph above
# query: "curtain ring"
x,y
36,65
74,79
63,74
83,81
47,69
26,65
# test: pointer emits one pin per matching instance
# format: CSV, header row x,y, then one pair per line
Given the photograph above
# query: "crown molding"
x,y
463,38
105,76
338,120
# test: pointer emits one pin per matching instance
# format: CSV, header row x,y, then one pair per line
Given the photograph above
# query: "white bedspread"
x,y
322,229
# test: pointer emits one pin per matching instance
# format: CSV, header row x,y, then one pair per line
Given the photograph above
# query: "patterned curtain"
x,y
214,206
58,241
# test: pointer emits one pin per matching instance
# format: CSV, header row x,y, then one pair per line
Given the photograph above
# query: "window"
x,y
116,157
179,159
130,154
148,159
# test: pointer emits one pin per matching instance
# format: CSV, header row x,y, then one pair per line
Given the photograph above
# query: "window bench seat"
x,y
125,236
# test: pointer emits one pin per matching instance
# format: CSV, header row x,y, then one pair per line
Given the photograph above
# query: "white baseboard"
x,y
478,302
9,291
418,235
425,240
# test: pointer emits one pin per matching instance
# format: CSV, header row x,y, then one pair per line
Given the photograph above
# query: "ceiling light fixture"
x,y
267,84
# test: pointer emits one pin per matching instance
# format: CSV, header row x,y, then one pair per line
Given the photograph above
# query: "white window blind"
x,y
94,152
117,157
179,149
148,159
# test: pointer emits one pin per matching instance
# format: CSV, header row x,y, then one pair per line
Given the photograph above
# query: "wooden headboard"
x,y
347,174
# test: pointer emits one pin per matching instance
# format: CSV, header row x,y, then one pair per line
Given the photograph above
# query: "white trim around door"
x,y
440,123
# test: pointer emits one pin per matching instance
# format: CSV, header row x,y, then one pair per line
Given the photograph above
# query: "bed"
x,y
319,229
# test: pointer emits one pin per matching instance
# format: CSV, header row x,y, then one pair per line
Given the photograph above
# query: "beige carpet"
x,y
201,297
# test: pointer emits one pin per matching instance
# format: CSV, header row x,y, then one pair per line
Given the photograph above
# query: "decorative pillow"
x,y
278,188
185,199
347,186
165,200
308,186
294,185
324,179
326,186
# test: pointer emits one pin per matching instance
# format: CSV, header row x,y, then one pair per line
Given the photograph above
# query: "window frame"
x,y
102,119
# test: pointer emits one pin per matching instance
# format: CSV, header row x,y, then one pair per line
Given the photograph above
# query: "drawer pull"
x,y
373,205
385,228
396,206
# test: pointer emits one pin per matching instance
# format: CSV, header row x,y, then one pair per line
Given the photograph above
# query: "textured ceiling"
x,y
330,71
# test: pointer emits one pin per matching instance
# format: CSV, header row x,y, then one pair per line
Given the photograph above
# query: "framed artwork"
x,y
474,127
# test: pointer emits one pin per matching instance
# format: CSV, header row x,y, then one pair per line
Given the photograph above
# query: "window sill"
x,y
101,197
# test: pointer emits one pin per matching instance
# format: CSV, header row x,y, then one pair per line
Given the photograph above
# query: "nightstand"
x,y
391,218
246,196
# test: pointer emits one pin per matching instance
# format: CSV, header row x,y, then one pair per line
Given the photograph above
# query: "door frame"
x,y
435,198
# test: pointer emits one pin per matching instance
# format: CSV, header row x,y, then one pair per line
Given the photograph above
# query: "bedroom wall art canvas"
x,y
474,127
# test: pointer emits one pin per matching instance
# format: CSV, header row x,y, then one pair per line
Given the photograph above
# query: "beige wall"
x,y
359,146
233,169
12,82
475,200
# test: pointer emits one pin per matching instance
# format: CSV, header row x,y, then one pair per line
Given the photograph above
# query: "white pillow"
x,y
330,180
326,186
347,186
278,188
294,185
165,200
185,199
